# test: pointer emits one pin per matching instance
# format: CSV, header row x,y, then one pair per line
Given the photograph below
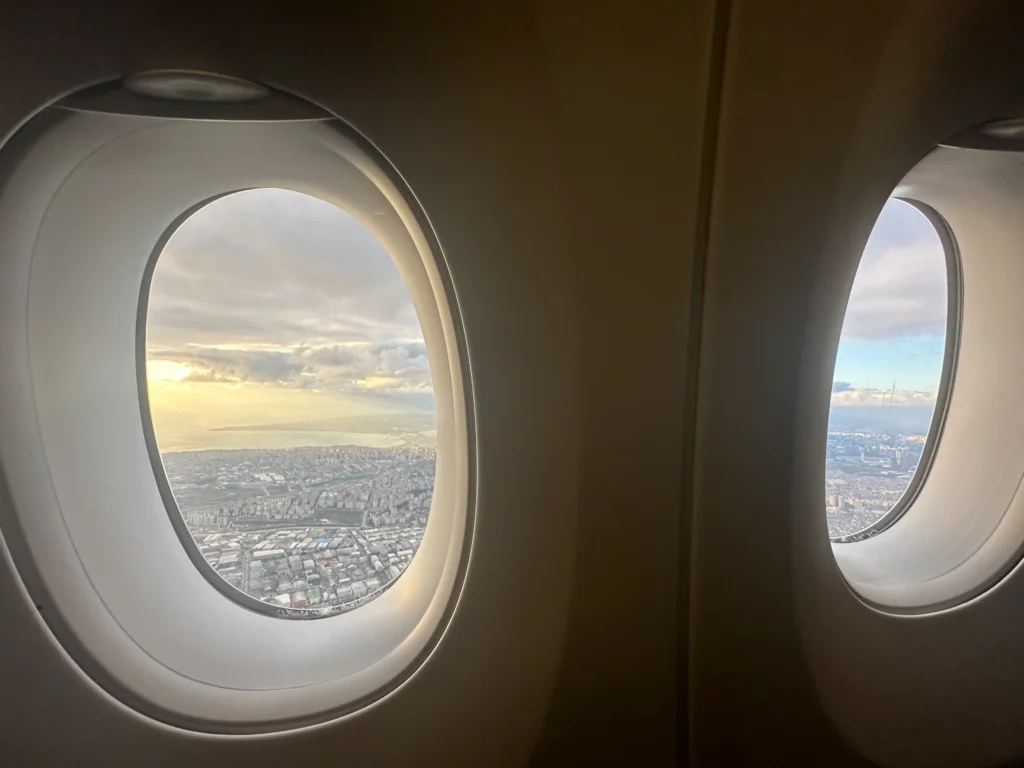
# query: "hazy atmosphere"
x,y
894,331
887,374
292,402
276,319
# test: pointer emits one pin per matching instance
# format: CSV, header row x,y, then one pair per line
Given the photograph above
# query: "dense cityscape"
x,y
322,530
866,473
313,531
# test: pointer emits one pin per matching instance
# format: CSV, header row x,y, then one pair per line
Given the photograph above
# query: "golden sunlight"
x,y
166,370
184,412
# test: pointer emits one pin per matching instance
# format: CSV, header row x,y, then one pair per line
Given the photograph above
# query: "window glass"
x,y
888,371
291,400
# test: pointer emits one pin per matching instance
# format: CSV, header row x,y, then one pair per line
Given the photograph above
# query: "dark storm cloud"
x,y
276,287
900,288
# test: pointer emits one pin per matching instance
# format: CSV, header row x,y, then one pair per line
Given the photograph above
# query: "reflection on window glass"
x,y
887,372
291,400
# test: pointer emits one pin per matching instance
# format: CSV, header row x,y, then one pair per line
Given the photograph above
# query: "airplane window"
x,y
291,402
890,375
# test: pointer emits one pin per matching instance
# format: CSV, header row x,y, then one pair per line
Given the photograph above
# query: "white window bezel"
x,y
965,530
947,376
64,309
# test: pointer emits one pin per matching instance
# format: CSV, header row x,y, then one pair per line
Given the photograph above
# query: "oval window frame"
x,y
76,609
947,376
174,511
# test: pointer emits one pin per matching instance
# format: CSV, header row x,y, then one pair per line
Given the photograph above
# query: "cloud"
x,y
398,366
178,318
279,288
331,357
403,360
213,364
900,289
271,246
880,397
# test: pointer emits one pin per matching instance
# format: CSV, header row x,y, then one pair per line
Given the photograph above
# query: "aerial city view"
x,y
293,408
867,471
292,402
314,527
887,373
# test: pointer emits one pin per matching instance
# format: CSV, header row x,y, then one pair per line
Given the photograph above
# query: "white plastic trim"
x,y
79,218
965,529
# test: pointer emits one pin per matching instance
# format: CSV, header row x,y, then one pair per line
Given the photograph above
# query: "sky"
x,y
273,307
269,306
893,335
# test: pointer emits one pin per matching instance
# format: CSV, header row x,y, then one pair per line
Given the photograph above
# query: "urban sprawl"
x,y
324,529
327,529
865,475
